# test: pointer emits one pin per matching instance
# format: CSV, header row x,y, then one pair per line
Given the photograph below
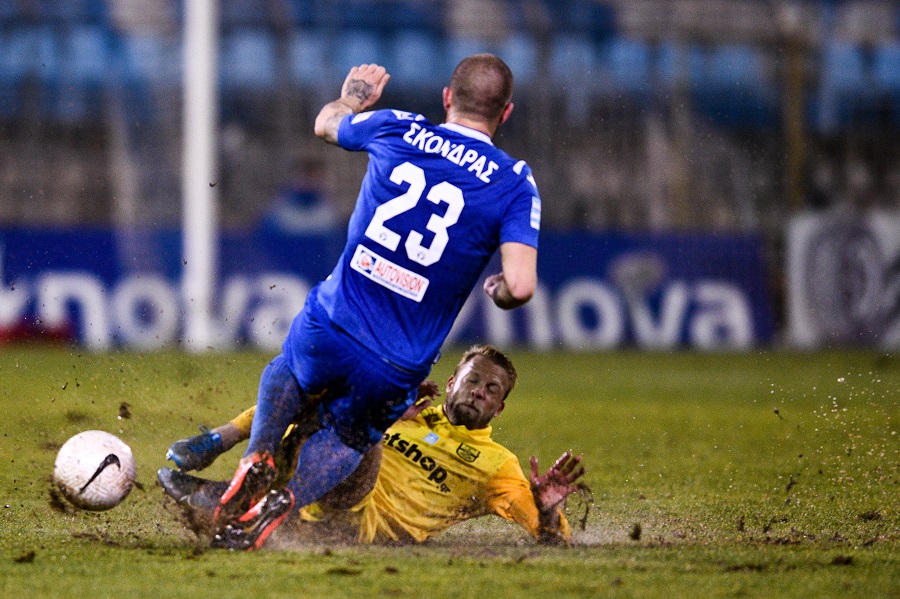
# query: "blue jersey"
x,y
435,204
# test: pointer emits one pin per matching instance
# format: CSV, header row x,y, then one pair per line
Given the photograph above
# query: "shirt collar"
x,y
469,132
477,433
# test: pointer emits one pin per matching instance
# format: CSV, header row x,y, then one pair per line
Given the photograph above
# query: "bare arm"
x,y
361,89
515,285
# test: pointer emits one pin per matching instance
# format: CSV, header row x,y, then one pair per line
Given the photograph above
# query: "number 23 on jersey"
x,y
445,192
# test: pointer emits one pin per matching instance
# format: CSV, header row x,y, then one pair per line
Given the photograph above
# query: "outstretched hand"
x,y
428,389
363,86
560,481
361,89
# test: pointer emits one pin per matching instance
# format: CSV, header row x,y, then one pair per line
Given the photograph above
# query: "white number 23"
x,y
442,192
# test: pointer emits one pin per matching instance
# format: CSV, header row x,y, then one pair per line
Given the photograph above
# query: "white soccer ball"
x,y
94,470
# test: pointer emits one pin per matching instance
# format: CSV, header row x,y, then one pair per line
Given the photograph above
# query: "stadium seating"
x,y
87,12
15,53
843,66
574,57
245,13
589,17
385,17
13,67
69,50
28,67
84,53
677,63
846,91
149,60
732,87
10,12
733,66
416,59
248,59
39,52
351,48
886,71
66,68
520,52
303,13
886,66
424,16
458,47
631,64
308,56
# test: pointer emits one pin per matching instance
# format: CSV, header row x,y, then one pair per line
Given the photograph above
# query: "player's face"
x,y
475,393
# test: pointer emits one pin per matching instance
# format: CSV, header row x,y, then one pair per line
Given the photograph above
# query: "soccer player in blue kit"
x,y
436,203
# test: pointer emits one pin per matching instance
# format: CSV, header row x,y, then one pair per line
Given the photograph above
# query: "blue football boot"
x,y
197,452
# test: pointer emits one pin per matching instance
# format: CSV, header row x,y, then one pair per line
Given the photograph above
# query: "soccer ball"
x,y
94,470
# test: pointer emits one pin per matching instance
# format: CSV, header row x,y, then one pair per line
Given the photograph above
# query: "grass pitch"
x,y
731,475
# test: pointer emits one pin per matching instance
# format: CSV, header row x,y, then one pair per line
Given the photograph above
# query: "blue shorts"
x,y
366,393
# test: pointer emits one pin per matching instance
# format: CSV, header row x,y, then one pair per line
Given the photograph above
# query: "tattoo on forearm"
x,y
332,122
359,89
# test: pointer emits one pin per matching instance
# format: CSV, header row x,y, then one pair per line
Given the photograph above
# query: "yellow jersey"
x,y
434,475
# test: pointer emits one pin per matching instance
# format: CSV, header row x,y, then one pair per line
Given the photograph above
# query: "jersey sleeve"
x,y
244,421
522,221
509,496
357,130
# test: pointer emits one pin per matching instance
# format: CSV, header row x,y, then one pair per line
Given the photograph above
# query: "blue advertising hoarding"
x,y
109,289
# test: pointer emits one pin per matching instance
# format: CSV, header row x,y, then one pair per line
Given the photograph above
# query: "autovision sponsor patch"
x,y
387,274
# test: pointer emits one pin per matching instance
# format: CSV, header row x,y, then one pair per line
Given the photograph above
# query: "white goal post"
x,y
199,173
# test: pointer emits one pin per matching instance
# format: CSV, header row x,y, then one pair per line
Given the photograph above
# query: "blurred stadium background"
x,y
714,173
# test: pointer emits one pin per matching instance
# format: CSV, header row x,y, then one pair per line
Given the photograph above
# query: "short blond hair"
x,y
494,355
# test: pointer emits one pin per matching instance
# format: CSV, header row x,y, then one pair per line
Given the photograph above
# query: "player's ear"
x,y
447,97
500,409
449,384
506,112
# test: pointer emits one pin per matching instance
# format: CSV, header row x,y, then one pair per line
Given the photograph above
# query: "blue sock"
x,y
324,462
279,400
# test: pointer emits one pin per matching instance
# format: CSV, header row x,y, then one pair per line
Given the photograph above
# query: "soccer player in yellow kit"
x,y
436,467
